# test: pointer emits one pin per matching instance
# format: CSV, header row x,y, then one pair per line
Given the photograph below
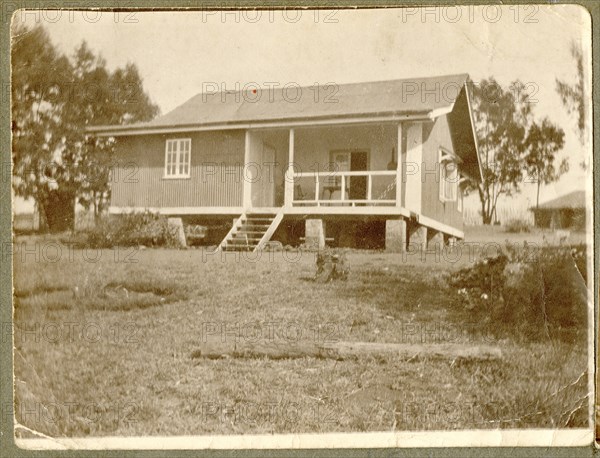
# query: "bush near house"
x,y
133,229
517,225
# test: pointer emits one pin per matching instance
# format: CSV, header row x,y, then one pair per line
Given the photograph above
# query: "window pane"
x,y
169,158
178,156
188,155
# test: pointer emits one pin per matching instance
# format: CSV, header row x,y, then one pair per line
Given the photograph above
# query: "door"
x,y
357,188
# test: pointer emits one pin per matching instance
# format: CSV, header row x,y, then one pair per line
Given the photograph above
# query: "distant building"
x,y
565,212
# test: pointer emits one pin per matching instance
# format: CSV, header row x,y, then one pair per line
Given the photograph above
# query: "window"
x,y
449,177
177,158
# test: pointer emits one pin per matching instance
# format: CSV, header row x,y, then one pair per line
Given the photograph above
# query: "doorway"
x,y
349,161
359,162
263,177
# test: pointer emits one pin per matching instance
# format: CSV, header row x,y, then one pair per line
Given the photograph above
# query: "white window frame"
x,y
448,192
176,164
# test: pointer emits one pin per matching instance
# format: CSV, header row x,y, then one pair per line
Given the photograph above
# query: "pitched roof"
x,y
419,96
575,199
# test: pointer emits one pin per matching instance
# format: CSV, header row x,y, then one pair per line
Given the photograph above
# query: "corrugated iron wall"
x,y
434,136
215,175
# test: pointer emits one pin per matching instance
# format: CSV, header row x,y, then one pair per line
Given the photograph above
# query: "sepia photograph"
x,y
300,228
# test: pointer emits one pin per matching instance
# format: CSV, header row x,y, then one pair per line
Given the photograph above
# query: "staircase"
x,y
251,231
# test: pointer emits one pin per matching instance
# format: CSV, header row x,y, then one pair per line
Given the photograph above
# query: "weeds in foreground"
x,y
541,291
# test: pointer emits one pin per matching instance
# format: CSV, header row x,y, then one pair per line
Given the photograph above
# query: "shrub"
x,y
540,291
481,284
133,229
517,225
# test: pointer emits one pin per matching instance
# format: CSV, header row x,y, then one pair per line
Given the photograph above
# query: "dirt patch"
x,y
121,296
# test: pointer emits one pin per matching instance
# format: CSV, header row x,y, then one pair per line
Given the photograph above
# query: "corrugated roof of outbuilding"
x,y
575,199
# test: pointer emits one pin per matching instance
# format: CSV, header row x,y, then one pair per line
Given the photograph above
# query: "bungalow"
x,y
564,212
393,153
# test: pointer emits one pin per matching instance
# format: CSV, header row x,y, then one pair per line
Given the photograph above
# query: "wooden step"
x,y
244,240
249,230
238,248
252,227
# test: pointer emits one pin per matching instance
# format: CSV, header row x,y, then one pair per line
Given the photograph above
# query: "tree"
x,y
54,100
100,98
39,96
543,141
501,120
88,158
572,95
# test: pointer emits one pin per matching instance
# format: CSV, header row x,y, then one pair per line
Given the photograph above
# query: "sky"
x,y
178,53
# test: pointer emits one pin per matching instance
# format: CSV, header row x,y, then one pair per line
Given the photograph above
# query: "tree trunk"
x,y
485,216
60,211
40,209
95,204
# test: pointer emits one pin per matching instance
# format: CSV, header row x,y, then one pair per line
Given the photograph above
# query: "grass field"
x,y
103,345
